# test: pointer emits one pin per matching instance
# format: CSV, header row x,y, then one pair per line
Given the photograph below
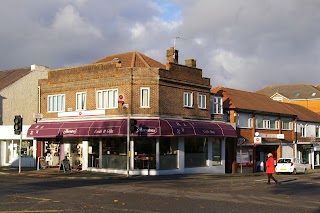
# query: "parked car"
x,y
290,165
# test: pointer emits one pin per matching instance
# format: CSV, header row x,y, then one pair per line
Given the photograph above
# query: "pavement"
x,y
79,174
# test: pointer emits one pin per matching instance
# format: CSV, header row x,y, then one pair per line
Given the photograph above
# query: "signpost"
x,y
240,143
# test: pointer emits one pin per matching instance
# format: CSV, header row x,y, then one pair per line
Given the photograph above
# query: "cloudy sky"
x,y
241,44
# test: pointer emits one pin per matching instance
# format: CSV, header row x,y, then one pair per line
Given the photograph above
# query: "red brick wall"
x,y
166,89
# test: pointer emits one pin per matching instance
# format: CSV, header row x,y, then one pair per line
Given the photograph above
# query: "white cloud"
x,y
138,31
68,20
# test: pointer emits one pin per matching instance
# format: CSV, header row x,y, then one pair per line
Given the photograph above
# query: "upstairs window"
x,y
244,120
286,124
202,101
217,105
187,99
144,97
317,132
303,130
56,103
81,100
266,122
107,99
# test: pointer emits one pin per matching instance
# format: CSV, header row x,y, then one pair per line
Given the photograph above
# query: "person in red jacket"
x,y
270,168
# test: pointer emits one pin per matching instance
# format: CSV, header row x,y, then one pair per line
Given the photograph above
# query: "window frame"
x,y
51,107
83,101
202,101
142,97
217,105
105,102
188,99
303,130
266,124
317,133
286,122
244,118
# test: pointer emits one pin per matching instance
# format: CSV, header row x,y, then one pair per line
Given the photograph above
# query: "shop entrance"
x,y
144,153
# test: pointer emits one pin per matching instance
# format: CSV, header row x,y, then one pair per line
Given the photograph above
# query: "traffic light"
x,y
17,124
133,125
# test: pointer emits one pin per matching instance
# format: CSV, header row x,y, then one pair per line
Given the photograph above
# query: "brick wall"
x,y
166,89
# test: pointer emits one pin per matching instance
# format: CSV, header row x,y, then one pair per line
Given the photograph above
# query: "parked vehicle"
x,y
290,165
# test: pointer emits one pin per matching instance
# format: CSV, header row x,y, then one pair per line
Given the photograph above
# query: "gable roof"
x,y
292,91
303,113
8,77
251,101
238,99
132,59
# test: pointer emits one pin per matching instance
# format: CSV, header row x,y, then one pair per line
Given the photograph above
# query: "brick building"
x,y
264,126
87,111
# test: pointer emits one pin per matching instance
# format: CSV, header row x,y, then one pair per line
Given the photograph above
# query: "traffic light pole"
x,y
128,145
20,152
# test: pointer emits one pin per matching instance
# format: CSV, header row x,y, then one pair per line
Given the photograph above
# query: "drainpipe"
x,y
296,140
39,100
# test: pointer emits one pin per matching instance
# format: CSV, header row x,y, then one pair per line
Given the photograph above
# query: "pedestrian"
x,y
270,168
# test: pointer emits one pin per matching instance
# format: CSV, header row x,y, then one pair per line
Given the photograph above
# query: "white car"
x,y
290,165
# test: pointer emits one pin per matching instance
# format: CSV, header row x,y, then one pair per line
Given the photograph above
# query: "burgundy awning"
x,y
118,127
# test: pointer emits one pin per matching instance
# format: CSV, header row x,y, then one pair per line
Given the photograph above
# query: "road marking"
x,y
36,198
261,180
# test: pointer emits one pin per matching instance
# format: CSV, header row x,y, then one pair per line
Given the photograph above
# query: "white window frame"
x,y
145,101
187,99
250,122
244,118
202,101
217,105
303,130
56,103
317,133
266,124
289,124
103,99
81,101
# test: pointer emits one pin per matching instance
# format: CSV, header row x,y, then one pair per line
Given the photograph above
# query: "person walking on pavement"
x,y
270,168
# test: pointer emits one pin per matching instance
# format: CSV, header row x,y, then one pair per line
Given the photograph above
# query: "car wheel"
x,y
294,172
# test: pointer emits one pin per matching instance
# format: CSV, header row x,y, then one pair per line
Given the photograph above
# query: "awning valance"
x,y
118,127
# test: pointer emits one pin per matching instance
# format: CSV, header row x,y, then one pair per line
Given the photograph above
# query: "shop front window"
x,y
168,153
114,153
52,153
196,152
304,152
144,153
13,147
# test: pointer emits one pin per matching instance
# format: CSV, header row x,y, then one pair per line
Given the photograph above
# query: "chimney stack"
x,y
36,67
191,63
172,55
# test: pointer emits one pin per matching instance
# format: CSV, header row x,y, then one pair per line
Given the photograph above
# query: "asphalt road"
x,y
177,193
